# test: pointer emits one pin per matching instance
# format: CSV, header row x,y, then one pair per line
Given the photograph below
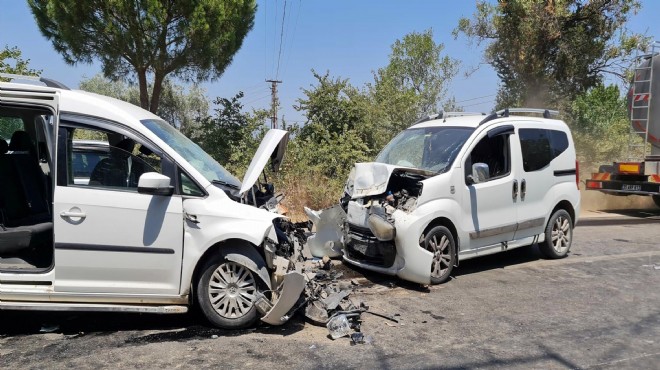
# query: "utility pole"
x,y
273,92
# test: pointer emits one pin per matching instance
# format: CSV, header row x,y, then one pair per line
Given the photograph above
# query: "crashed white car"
x,y
454,187
153,225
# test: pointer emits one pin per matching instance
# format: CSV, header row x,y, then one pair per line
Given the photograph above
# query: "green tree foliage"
x,y
600,125
415,80
548,51
190,39
182,108
11,61
230,135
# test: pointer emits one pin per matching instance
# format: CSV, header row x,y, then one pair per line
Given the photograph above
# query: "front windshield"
x,y
429,148
191,152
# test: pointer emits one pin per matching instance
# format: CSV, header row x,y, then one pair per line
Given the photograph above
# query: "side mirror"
x,y
479,174
155,184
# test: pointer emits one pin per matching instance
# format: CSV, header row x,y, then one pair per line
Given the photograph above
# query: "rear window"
x,y
539,147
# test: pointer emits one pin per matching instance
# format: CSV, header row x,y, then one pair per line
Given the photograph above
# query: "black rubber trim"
x,y
113,248
565,172
25,282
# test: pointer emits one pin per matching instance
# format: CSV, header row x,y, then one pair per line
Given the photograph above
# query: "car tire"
x,y
226,294
558,235
656,200
440,241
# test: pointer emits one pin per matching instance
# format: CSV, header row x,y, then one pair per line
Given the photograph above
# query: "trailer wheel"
x,y
558,235
656,200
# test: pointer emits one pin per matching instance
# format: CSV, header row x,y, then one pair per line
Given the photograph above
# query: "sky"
x,y
347,38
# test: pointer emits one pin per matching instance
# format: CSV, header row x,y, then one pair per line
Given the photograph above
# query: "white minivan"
x,y
458,186
106,207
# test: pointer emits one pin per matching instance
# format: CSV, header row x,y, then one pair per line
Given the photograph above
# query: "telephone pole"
x,y
274,101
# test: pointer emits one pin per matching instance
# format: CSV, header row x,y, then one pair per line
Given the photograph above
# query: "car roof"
x,y
90,104
474,121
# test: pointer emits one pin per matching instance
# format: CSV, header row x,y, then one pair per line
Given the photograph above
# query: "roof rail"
x,y
445,115
46,81
547,113
429,117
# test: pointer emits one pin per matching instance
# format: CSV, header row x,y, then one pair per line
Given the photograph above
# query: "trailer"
x,y
640,174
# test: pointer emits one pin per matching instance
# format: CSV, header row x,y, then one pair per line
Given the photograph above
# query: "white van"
x,y
458,186
106,207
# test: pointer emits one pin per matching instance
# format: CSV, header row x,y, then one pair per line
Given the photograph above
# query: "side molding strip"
x,y
112,248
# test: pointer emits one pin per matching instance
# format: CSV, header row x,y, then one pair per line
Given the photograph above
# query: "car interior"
x,y
26,195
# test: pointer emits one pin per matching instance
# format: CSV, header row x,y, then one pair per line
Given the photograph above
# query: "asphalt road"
x,y
597,308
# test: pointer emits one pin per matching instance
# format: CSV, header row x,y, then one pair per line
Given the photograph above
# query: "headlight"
x,y
381,229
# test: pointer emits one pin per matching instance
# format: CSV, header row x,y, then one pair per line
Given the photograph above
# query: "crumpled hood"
x,y
272,147
371,178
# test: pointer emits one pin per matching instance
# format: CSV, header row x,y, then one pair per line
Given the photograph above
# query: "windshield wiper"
x,y
220,182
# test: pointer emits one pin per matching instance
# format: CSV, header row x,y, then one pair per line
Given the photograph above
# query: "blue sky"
x,y
348,38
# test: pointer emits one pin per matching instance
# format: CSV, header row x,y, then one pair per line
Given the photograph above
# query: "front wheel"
x,y
440,242
226,293
558,235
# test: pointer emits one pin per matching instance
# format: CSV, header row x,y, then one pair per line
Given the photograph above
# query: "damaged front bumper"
x,y
278,313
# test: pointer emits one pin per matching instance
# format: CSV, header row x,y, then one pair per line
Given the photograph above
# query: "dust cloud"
x,y
596,201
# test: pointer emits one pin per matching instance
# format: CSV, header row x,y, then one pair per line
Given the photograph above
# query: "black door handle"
x,y
515,189
523,189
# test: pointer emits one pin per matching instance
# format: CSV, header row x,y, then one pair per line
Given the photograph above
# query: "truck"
x,y
640,173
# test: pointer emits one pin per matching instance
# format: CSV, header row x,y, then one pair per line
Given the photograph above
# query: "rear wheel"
x,y
226,293
440,242
558,235
656,200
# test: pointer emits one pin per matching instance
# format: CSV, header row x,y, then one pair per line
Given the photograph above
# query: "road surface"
x,y
597,308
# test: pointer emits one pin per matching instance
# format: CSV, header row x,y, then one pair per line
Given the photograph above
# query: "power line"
x,y
293,38
257,99
479,103
279,55
477,98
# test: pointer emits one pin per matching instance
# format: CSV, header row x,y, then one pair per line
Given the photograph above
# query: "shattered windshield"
x,y
429,148
192,153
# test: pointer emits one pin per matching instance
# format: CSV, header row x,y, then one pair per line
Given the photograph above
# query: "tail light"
x,y
577,174
630,168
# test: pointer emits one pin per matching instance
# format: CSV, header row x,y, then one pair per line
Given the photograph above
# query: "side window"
x,y
539,147
493,151
106,159
188,186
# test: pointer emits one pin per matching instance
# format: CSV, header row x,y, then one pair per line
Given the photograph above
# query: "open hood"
x,y
272,147
372,178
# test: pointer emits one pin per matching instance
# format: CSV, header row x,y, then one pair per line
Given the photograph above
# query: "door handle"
x,y
191,218
515,189
523,189
73,214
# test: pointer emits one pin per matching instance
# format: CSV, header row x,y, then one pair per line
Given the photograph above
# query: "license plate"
x,y
631,187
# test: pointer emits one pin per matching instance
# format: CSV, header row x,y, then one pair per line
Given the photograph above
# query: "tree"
x,y
230,135
553,50
12,62
182,108
189,39
415,80
600,124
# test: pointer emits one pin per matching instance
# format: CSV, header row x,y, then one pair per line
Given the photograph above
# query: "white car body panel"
x,y
101,239
138,239
486,216
269,144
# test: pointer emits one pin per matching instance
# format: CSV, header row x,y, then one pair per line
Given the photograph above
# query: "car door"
x,y
538,146
110,238
490,205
